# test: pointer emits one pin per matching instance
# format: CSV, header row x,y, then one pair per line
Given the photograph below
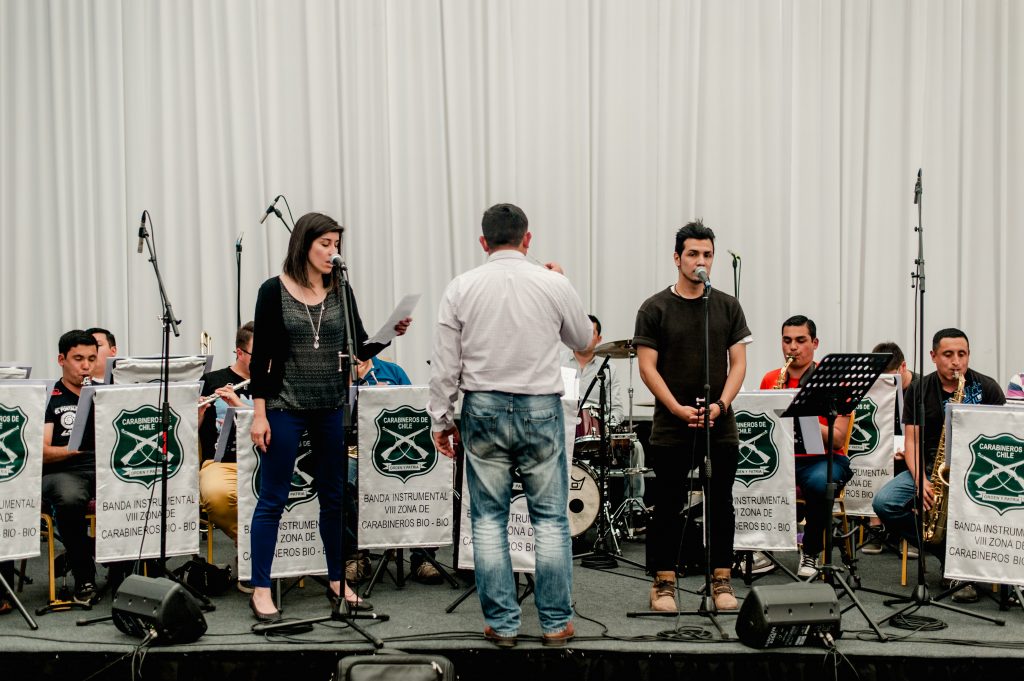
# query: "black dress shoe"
x,y
263,616
353,606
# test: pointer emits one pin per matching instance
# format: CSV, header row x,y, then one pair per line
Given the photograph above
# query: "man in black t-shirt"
x,y
894,503
69,477
218,480
670,351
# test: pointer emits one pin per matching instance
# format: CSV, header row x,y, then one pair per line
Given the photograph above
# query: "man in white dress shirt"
x,y
498,334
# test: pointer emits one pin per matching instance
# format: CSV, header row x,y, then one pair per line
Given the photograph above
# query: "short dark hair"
x,y
308,229
948,333
897,354
244,334
800,320
597,323
693,230
504,224
111,341
73,338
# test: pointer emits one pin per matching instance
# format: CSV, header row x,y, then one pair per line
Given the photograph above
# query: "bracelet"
x,y
721,406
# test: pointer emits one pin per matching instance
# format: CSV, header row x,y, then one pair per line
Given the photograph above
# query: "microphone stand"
x,y
921,597
238,279
170,323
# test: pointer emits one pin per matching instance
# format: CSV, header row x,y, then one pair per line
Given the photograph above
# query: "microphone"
x,y
734,255
142,231
702,274
917,187
272,208
338,261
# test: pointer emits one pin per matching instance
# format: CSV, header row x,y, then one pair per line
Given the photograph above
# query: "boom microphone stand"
x,y
921,596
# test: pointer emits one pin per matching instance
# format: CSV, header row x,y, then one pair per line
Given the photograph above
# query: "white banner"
x,y
405,485
299,550
520,531
872,445
985,531
22,413
764,493
128,470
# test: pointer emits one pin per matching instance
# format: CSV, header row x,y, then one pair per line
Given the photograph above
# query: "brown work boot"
x,y
663,591
721,590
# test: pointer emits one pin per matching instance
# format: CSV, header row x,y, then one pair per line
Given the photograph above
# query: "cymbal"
x,y
621,349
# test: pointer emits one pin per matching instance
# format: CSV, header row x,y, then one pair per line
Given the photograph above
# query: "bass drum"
x,y
584,498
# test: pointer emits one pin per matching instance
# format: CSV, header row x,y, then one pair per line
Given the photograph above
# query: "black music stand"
x,y
838,383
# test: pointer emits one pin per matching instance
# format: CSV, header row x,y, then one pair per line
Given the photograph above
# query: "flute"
x,y
213,398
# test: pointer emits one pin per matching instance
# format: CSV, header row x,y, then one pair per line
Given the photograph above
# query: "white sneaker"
x,y
808,565
760,564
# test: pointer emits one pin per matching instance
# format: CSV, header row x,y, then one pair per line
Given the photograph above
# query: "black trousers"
x,y
672,466
68,495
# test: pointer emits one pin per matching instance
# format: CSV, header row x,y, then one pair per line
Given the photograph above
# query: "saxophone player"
x,y
799,341
894,503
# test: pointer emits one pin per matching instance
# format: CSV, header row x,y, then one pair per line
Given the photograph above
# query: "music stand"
x,y
838,383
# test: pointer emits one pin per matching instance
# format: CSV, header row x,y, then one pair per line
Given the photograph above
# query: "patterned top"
x,y
311,377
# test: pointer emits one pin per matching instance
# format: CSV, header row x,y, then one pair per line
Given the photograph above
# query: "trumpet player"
x,y
894,503
799,341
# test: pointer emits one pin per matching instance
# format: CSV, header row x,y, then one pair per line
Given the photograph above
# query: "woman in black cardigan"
x,y
300,383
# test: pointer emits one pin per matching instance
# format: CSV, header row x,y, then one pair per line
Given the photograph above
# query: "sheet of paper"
x,y
571,384
404,309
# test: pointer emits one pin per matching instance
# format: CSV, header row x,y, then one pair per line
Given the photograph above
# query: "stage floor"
x,y
608,645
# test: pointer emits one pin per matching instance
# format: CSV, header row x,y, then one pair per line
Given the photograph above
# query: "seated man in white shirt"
x,y
587,365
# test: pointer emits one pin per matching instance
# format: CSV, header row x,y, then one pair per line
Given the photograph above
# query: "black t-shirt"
x,y
208,430
978,389
61,411
674,326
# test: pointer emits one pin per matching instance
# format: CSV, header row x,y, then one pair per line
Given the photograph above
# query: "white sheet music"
x,y
404,308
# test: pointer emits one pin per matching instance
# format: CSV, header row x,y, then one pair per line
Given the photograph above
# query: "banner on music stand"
x,y
764,493
520,530
299,550
188,368
9,371
872,444
405,484
22,416
128,471
985,528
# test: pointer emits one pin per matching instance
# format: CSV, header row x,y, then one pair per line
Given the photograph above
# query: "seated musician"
x,y
69,476
586,365
894,503
218,480
799,341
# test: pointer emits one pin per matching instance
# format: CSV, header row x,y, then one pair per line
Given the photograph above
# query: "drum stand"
x,y
599,557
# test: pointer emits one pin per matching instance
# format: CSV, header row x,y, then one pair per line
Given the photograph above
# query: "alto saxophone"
x,y
780,382
935,517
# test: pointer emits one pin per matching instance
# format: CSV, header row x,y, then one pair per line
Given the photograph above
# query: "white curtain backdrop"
x,y
795,128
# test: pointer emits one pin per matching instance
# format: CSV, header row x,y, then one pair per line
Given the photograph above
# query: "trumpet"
x,y
213,398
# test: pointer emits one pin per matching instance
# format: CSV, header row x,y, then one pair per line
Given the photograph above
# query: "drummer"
x,y
586,364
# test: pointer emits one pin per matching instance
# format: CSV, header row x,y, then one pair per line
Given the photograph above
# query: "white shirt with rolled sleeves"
x,y
499,328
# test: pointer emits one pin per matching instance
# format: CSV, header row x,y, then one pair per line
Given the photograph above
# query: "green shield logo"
x,y
136,455
864,438
303,488
759,459
994,477
404,446
13,452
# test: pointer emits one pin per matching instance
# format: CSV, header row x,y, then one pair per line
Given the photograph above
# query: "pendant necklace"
x,y
316,329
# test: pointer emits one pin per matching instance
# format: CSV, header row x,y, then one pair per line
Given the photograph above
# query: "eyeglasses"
x,y
245,351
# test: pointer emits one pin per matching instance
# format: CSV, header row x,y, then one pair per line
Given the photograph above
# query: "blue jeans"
x,y
894,506
502,432
327,436
811,478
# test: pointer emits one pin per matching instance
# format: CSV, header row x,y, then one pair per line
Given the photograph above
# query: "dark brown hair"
x,y
308,229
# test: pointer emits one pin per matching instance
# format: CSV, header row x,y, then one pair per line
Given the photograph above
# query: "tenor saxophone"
x,y
935,517
780,382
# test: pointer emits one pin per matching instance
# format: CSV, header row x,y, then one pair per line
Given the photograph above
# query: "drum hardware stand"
x,y
920,596
380,570
621,518
599,557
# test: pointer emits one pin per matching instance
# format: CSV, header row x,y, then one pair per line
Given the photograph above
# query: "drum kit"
x,y
602,450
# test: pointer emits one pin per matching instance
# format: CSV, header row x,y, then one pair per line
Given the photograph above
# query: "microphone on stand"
x,y
734,255
272,208
338,261
142,231
702,274
917,188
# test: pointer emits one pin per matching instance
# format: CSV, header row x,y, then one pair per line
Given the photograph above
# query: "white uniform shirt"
x,y
499,328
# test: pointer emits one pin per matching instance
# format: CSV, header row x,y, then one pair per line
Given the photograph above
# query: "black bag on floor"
x,y
399,667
